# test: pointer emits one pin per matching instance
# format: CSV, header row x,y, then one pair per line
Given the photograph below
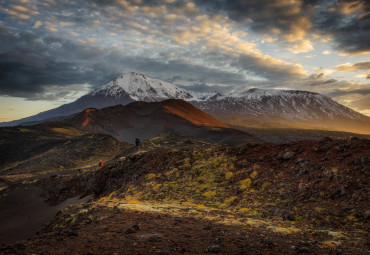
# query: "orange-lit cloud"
x,y
302,46
348,67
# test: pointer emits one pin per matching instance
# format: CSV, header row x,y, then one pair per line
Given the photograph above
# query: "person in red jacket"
x,y
101,163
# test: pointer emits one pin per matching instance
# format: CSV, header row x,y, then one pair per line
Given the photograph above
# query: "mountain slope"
x,y
53,147
123,90
278,104
307,109
145,120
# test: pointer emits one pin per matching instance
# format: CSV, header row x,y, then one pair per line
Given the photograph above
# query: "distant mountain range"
x,y
301,108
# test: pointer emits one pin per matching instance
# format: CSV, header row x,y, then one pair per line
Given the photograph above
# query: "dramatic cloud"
x,y
348,22
270,68
303,46
139,39
50,48
287,19
348,67
362,92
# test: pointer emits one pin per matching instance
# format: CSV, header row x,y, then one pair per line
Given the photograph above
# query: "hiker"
x,y
101,163
137,142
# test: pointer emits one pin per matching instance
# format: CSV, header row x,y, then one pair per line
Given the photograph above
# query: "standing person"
x,y
101,163
137,143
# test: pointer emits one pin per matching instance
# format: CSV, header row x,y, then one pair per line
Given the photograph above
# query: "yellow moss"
x,y
68,131
230,200
190,204
254,174
351,218
255,166
265,185
187,163
222,206
157,187
198,155
334,170
319,209
134,202
209,194
168,173
285,231
245,184
172,185
106,198
229,175
149,177
244,209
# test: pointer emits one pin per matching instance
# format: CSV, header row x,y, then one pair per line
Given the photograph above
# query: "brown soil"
x,y
102,229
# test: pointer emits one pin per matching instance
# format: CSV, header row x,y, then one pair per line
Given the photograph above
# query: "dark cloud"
x,y
178,71
319,79
362,103
31,63
362,66
202,88
348,21
265,16
30,66
362,92
269,68
354,67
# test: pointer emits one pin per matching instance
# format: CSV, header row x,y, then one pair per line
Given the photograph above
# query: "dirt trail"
x,y
23,212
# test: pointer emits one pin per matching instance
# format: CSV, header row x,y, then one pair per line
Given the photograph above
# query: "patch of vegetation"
x,y
245,184
209,194
229,175
149,177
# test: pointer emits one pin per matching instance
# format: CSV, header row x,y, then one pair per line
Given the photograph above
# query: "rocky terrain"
x,y
272,198
27,153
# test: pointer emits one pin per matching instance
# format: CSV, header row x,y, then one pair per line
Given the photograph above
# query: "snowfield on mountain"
x,y
311,110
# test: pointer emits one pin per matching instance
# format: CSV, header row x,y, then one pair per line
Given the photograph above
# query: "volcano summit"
x,y
287,107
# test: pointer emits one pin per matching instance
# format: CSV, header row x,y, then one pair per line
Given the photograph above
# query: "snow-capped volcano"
x,y
291,106
276,104
141,88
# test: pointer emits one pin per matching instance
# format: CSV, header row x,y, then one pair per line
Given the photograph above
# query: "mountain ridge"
x,y
145,120
295,106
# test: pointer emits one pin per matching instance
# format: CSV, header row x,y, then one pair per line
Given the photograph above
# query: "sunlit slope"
x,y
145,120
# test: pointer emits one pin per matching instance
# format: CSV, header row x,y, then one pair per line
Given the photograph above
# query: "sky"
x,y
54,51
